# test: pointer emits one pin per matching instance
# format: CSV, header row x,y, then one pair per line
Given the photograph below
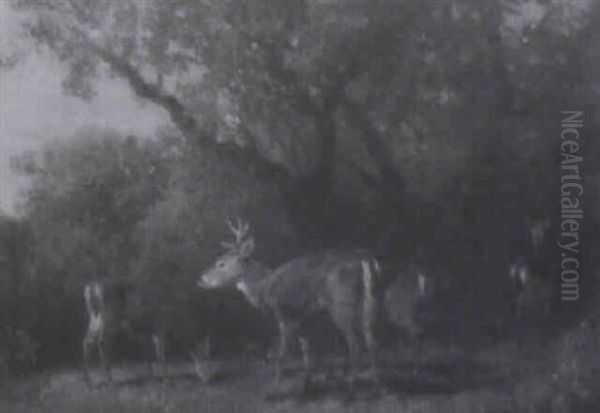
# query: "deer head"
x,y
537,231
229,267
518,274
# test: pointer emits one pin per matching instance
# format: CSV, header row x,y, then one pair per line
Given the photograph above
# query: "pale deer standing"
x,y
106,307
335,282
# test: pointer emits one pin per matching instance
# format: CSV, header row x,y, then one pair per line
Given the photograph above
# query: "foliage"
x,y
354,108
577,374
18,352
104,206
86,197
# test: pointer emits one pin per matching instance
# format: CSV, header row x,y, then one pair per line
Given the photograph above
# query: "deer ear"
x,y
247,248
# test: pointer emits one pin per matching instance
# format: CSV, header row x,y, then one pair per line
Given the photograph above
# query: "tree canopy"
x,y
339,103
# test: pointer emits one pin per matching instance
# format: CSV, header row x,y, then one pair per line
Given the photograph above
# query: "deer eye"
x,y
221,265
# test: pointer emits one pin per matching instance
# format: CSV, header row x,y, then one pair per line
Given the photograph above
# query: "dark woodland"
x,y
424,134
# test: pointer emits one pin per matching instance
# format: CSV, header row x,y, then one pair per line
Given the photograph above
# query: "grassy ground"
x,y
446,383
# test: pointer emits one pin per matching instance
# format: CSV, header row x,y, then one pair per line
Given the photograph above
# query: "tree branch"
x,y
249,155
146,90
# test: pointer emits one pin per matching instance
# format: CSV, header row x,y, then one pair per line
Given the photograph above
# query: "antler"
x,y
240,231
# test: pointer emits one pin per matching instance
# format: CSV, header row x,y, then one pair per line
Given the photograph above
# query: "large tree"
x,y
354,110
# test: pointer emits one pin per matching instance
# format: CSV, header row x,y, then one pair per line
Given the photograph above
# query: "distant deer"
x,y
528,274
537,233
335,282
532,295
403,303
106,310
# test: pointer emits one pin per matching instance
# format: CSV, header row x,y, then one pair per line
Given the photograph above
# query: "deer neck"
x,y
253,282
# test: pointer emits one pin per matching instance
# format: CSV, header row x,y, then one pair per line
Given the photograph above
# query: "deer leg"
x,y
285,331
104,359
146,344
419,357
519,323
306,362
416,340
87,342
158,341
353,341
372,349
163,356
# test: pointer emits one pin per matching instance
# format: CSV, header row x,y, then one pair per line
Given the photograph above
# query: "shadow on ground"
x,y
444,384
171,379
435,377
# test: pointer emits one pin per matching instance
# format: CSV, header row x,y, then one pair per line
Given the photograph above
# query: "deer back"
x,y
328,280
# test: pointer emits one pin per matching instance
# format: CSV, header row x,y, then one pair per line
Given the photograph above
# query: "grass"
x,y
498,380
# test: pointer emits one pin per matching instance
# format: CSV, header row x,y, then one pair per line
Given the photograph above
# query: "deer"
x,y
531,292
403,302
105,304
537,232
532,295
337,283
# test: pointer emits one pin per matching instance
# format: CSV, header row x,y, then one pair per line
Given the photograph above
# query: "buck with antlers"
x,y
339,283
106,310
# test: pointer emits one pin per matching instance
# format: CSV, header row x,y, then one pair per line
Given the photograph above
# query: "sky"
x,y
34,111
